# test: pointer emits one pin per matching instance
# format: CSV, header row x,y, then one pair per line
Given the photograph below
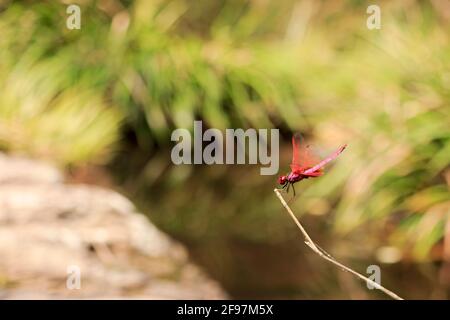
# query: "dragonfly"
x,y
304,164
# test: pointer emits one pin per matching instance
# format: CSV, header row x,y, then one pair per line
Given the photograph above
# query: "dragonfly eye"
x,y
282,180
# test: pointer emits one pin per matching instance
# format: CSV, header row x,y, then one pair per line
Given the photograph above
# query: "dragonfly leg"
x,y
293,189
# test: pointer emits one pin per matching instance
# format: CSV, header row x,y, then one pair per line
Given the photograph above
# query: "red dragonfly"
x,y
304,165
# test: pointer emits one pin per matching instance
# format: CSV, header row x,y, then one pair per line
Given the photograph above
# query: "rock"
x,y
15,169
50,231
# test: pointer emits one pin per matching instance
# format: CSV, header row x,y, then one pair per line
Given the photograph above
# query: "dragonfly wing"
x,y
317,173
296,143
302,156
322,163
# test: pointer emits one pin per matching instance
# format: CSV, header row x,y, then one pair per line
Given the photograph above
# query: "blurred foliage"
x,y
138,69
45,109
133,55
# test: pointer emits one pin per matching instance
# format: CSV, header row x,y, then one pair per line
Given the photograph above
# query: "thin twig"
x,y
314,247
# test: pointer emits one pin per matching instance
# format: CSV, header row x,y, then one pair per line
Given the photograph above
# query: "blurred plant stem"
x,y
323,254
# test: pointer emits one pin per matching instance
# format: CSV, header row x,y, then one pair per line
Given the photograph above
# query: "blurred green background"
x,y
102,101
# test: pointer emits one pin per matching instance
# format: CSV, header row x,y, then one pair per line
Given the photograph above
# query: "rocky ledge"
x,y
60,240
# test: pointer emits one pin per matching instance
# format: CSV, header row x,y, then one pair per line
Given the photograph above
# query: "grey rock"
x,y
48,227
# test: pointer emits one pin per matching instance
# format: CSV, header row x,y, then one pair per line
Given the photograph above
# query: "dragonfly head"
x,y
282,180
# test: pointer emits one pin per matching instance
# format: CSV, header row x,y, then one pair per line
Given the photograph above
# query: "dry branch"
x,y
314,247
